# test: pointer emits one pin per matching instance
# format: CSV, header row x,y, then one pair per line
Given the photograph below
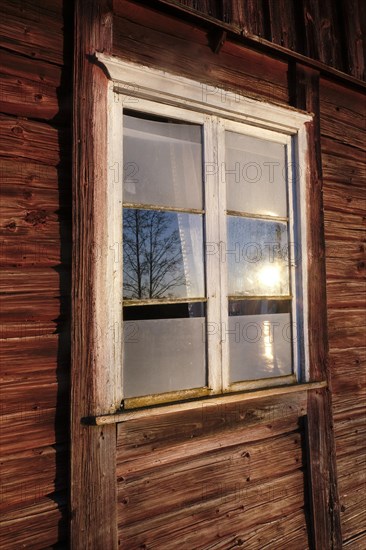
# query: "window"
x,y
212,214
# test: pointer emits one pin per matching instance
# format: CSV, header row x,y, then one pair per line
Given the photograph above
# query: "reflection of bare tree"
x,y
152,254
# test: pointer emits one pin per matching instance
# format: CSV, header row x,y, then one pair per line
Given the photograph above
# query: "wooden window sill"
x,y
124,416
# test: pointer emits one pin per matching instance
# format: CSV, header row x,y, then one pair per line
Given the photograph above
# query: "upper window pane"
x,y
255,173
257,257
162,163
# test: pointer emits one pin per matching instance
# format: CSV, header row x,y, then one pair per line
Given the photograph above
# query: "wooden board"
x,y
320,446
161,41
93,486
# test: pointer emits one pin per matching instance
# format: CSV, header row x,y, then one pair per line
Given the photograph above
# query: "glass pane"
x,y
255,172
258,307
164,354
162,163
162,255
260,346
257,257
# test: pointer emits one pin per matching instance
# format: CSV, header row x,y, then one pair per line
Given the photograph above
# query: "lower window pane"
x,y
260,344
164,348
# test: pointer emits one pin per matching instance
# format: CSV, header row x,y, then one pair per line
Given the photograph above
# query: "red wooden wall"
x,y
344,176
35,227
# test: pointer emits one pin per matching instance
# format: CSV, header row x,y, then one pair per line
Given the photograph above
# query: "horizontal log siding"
x,y
217,477
328,31
158,40
344,173
35,232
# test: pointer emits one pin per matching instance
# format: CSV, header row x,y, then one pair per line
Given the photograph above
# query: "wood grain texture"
x,y
183,482
329,32
158,440
344,165
32,422
158,40
36,141
34,29
320,437
348,368
246,16
212,465
224,520
93,485
36,525
283,23
353,14
34,232
351,487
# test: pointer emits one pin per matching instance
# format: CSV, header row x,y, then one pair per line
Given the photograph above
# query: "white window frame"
x,y
153,91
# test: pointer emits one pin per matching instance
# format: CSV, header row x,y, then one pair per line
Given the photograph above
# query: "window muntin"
x,y
217,326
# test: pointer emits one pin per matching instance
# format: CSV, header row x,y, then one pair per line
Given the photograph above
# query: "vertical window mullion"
x,y
211,181
294,257
113,328
224,310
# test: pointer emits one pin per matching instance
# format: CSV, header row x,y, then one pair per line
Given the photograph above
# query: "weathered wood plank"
x,y
16,200
347,294
176,453
356,542
32,422
22,178
353,17
245,16
348,367
223,519
39,72
342,132
35,249
210,7
29,307
324,502
39,525
181,435
350,433
38,392
34,29
289,532
93,478
34,214
137,39
282,21
354,512
183,483
345,227
343,164
19,220
56,281
30,475
23,97
345,260
36,141
342,103
344,198
346,328
321,31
